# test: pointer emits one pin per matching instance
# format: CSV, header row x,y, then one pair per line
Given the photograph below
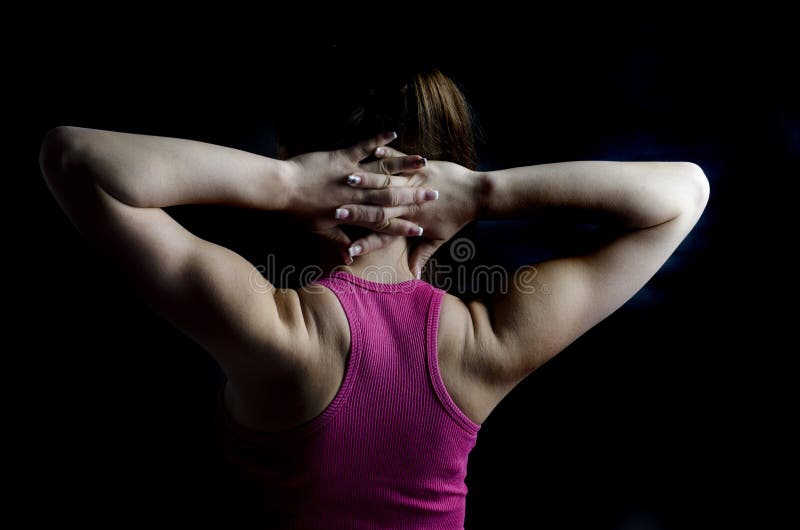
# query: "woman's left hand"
x,y
461,190
319,183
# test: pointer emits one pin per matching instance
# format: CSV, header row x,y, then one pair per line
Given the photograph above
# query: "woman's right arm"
x,y
508,335
552,304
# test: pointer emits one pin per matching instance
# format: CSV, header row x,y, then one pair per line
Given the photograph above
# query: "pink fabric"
x,y
390,451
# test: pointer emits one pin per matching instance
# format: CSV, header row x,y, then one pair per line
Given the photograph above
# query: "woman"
x,y
354,402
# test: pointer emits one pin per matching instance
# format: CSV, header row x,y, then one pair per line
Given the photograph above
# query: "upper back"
x,y
391,444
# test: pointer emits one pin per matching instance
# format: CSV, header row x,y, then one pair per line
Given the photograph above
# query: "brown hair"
x,y
435,120
426,108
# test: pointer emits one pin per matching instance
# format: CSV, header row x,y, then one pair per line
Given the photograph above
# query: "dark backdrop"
x,y
663,416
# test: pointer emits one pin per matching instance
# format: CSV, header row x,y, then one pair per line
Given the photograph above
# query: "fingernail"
x,y
380,151
416,231
353,179
391,136
341,213
431,195
417,272
422,162
355,250
348,261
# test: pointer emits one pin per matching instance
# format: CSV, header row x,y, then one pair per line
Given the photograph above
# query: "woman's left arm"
x,y
113,187
155,171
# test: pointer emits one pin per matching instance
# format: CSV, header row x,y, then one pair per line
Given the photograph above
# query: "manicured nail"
x,y
380,151
355,250
422,162
391,136
431,195
353,179
341,213
416,231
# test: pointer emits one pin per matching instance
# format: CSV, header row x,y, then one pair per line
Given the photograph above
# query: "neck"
x,y
387,265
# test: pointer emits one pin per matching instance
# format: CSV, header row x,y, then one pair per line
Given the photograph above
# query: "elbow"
x,y
59,152
697,186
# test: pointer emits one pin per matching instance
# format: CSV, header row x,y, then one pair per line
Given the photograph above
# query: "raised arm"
x,y
550,306
659,203
505,336
112,186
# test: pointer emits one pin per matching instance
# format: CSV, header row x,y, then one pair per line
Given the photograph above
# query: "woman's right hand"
x,y
460,191
317,189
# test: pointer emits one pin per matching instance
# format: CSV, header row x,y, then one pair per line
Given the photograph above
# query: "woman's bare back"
x,y
253,404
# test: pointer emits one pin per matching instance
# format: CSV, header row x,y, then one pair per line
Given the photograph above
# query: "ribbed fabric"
x,y
390,451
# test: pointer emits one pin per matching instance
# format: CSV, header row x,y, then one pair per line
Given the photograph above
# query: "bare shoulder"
x,y
324,321
467,358
275,398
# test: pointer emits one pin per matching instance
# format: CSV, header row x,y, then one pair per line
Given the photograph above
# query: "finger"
x,y
346,257
362,150
336,235
421,254
398,227
375,180
383,152
368,243
381,219
400,196
395,164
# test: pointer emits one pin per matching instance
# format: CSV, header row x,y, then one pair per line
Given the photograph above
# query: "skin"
x,y
284,352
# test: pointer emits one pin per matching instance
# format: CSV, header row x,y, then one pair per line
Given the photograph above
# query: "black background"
x,y
667,415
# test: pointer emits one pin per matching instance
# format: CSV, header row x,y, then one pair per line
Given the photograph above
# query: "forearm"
x,y
153,171
638,194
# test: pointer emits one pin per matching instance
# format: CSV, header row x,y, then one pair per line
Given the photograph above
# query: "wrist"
x,y
277,184
288,173
482,186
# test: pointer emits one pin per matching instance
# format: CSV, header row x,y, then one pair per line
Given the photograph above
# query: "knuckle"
x,y
395,198
356,196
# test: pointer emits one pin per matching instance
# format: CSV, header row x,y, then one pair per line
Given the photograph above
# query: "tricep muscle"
x,y
555,302
202,288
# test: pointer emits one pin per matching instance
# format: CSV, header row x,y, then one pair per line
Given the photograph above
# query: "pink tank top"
x,y
390,451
